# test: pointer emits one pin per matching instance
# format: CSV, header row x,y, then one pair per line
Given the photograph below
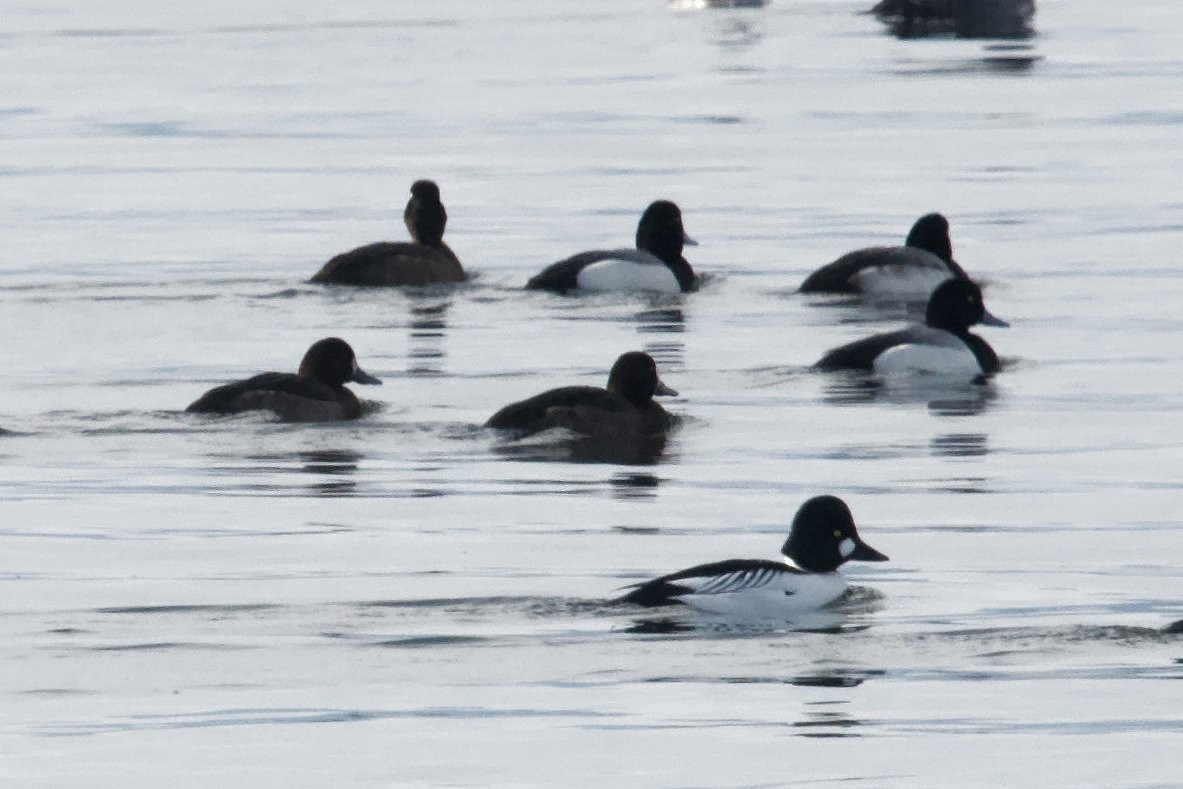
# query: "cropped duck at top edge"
x,y
424,260
655,264
316,393
623,410
943,345
910,272
963,18
821,539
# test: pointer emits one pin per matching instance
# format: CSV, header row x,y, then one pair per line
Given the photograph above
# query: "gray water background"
x,y
191,602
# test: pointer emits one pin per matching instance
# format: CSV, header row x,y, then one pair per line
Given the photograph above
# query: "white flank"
x,y
914,278
629,275
786,594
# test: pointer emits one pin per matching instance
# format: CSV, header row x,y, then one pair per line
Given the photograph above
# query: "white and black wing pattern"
x,y
741,579
718,578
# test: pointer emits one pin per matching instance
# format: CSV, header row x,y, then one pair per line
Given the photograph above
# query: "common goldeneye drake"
x,y
424,260
823,537
655,265
314,394
943,345
909,272
624,409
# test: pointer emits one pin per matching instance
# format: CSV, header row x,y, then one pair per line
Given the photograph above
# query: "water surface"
x,y
404,599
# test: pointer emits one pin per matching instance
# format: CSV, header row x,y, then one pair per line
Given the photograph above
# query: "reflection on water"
x,y
428,327
331,463
682,619
827,724
1010,57
942,396
696,5
338,465
1002,59
560,445
960,445
738,33
670,351
635,486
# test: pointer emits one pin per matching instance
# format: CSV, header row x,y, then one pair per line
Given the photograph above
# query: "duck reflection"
x,y
960,445
828,722
668,324
635,486
736,33
337,465
943,398
340,465
563,446
428,328
1014,59
695,5
834,620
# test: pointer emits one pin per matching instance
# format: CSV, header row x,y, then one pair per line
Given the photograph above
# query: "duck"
x,y
621,411
655,265
942,345
316,393
963,18
821,539
424,260
910,272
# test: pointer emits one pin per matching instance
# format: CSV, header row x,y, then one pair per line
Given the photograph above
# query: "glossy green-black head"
x,y
634,377
931,233
823,537
333,362
956,305
424,215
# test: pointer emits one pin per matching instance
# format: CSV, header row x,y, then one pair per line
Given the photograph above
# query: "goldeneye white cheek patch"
x,y
846,547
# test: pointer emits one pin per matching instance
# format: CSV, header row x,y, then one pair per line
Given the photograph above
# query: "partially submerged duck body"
x,y
316,393
822,538
623,410
656,264
910,272
425,260
943,345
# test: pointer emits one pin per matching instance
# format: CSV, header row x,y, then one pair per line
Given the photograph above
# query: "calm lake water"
x,y
197,602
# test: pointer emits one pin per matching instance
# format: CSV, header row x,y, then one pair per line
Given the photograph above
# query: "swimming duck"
x,y
424,260
911,271
963,18
623,410
314,394
942,345
655,265
823,537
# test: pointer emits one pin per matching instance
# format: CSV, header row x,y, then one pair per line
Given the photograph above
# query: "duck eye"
x,y
837,534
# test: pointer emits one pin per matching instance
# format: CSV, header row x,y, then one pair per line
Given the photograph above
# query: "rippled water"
x,y
430,605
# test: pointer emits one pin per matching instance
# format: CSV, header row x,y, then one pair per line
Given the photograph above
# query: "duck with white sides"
x,y
909,273
822,538
655,265
942,346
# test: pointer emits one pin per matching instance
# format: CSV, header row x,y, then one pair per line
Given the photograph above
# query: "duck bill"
x,y
865,553
362,377
990,320
687,240
662,389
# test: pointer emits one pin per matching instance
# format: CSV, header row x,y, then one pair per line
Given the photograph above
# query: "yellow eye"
x,y
837,534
